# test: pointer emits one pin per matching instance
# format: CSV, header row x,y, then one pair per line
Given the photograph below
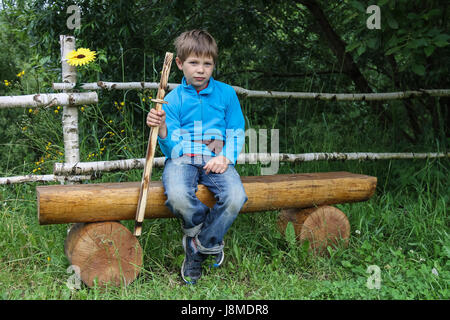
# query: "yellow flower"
x,y
80,57
56,111
82,109
122,103
7,83
21,73
48,259
30,110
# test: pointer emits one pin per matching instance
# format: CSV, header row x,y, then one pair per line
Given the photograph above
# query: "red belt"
x,y
215,149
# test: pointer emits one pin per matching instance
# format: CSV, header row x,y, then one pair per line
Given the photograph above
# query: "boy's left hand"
x,y
217,164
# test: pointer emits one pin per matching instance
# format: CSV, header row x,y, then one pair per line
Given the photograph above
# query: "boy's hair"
x,y
198,42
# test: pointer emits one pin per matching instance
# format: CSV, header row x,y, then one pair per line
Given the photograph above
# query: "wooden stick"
x,y
146,176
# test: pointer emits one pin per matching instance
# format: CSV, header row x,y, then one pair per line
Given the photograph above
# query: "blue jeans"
x,y
181,177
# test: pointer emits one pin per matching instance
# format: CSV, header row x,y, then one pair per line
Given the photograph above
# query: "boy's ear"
x,y
179,63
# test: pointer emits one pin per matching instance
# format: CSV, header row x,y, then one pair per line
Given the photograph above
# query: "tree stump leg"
x,y
106,251
322,226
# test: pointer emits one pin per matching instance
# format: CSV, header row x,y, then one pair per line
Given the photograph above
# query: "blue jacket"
x,y
213,113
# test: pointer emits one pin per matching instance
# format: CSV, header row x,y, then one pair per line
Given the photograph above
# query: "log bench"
x,y
105,250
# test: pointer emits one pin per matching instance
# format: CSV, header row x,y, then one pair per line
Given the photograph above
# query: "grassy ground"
x,y
402,229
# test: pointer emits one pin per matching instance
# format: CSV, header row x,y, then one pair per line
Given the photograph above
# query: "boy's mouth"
x,y
199,79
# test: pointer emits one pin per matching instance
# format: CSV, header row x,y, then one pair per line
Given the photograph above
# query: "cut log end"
x,y
104,251
321,226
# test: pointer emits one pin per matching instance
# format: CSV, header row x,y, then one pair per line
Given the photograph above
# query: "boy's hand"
x,y
217,164
156,118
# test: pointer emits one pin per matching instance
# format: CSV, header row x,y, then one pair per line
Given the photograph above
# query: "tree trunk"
x,y
118,201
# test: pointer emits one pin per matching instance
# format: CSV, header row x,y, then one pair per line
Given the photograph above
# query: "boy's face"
x,y
197,70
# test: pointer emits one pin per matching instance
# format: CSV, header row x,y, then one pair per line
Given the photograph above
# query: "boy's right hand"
x,y
156,118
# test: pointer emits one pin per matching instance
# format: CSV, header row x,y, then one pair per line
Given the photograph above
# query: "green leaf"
x,y
418,69
416,43
429,50
392,50
372,43
361,50
358,5
392,23
290,234
441,44
346,263
352,46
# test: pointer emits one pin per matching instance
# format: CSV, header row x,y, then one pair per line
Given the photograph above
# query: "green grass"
x,y
403,231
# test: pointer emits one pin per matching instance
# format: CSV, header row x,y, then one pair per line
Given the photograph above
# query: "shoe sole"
x,y
217,264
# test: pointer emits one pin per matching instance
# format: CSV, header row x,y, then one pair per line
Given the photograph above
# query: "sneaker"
x,y
218,259
191,270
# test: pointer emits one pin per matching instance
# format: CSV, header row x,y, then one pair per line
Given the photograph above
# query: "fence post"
x,y
70,113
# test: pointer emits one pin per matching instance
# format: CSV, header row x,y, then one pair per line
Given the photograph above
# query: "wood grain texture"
x,y
105,251
117,201
321,226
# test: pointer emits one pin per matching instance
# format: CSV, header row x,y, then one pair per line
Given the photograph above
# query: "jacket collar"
x,y
189,88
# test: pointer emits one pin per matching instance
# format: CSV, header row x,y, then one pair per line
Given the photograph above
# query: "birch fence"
x,y
72,170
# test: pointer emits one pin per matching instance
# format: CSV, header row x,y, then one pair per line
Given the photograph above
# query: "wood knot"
x,y
159,101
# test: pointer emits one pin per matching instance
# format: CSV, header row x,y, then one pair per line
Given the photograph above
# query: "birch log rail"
x,y
252,158
103,85
46,100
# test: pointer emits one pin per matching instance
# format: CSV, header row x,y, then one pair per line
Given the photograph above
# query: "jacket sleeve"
x,y
235,129
171,144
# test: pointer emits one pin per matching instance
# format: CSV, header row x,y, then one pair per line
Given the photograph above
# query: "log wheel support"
x,y
105,252
321,226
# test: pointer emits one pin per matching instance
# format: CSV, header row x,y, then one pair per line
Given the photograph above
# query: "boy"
x,y
201,133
